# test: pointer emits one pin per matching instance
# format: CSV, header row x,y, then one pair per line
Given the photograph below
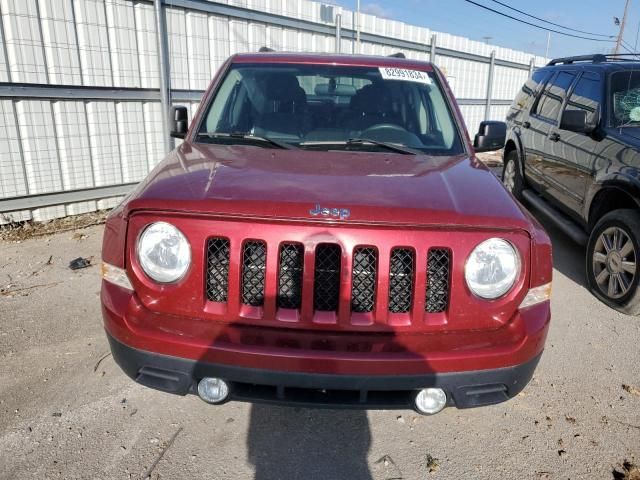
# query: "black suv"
x,y
573,151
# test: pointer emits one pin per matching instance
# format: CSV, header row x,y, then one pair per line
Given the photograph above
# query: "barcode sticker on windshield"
x,y
391,73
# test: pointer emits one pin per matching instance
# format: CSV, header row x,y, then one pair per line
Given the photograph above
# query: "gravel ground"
x,y
67,411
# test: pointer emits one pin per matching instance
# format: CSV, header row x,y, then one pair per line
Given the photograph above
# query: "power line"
x,y
551,23
629,48
537,26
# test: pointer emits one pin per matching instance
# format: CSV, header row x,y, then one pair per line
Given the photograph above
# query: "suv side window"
x,y
587,96
554,94
624,94
531,87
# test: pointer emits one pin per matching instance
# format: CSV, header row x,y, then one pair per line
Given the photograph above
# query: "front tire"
x,y
613,253
511,177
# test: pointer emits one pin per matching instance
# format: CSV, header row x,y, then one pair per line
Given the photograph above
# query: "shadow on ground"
x,y
300,443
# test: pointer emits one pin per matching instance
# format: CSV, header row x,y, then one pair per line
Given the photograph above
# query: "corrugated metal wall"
x,y
65,141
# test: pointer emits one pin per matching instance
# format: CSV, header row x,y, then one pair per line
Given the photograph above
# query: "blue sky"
x,y
461,18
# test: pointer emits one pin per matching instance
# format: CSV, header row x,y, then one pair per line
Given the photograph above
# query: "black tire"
x,y
511,176
611,268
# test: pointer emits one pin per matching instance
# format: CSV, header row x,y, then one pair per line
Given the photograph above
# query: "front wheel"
x,y
613,252
511,177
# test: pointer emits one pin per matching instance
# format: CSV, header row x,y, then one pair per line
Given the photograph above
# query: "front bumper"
x,y
297,366
180,376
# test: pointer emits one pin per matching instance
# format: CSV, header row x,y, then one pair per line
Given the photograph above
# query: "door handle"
x,y
554,137
526,124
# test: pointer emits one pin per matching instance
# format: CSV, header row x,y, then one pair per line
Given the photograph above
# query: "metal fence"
x,y
85,84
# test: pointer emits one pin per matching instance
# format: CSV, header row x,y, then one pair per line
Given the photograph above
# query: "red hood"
x,y
378,188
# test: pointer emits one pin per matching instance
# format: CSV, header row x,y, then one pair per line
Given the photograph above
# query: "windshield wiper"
x,y
247,136
389,146
363,141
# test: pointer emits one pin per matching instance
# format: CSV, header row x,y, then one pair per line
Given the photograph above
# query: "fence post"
x,y
338,32
432,53
492,66
165,72
532,65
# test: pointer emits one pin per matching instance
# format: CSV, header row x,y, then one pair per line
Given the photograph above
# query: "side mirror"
x,y
491,136
575,121
179,124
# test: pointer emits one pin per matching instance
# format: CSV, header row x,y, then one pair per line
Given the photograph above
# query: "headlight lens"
x,y
164,252
492,268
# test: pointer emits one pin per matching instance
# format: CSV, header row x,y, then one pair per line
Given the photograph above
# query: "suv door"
x,y
531,134
572,154
544,119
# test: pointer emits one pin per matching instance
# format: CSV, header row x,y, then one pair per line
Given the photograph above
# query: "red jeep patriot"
x,y
325,235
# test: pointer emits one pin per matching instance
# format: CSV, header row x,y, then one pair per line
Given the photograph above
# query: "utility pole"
x,y
358,28
165,73
546,53
621,33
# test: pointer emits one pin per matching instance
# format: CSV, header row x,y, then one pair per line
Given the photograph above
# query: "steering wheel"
x,y
392,133
384,128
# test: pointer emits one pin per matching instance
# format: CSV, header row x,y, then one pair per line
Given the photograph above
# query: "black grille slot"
x,y
326,291
217,269
363,279
438,267
254,264
290,275
401,270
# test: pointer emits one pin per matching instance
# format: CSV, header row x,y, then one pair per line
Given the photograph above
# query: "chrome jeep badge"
x,y
341,213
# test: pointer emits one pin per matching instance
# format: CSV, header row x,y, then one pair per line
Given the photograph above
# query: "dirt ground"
x,y
67,411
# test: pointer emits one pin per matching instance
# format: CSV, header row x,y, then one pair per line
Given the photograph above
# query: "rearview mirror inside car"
x,y
575,121
491,136
179,124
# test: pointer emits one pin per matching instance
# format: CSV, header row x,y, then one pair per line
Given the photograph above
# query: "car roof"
x,y
607,67
331,59
596,62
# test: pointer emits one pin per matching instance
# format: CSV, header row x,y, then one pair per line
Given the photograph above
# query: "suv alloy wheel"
x,y
612,258
511,177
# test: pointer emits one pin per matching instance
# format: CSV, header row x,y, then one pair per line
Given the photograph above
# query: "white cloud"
x,y
377,10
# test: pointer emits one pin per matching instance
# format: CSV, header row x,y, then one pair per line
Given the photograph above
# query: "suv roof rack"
x,y
595,58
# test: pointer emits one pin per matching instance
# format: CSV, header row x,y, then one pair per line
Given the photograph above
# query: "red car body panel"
x,y
354,353
248,193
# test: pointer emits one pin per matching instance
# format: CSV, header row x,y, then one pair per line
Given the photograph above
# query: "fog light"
x,y
213,390
430,400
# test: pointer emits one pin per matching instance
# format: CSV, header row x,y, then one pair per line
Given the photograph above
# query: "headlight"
x,y
492,268
164,252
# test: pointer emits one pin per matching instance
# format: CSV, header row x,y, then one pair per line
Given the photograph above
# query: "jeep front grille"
x,y
438,266
401,270
217,269
326,285
254,265
324,278
363,279
291,260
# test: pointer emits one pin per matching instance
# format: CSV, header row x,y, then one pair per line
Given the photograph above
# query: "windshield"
x,y
327,107
625,98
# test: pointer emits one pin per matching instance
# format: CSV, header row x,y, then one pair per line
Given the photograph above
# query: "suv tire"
x,y
613,252
511,177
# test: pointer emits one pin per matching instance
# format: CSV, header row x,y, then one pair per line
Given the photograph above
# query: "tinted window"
x,y
586,96
625,99
554,94
530,87
538,77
